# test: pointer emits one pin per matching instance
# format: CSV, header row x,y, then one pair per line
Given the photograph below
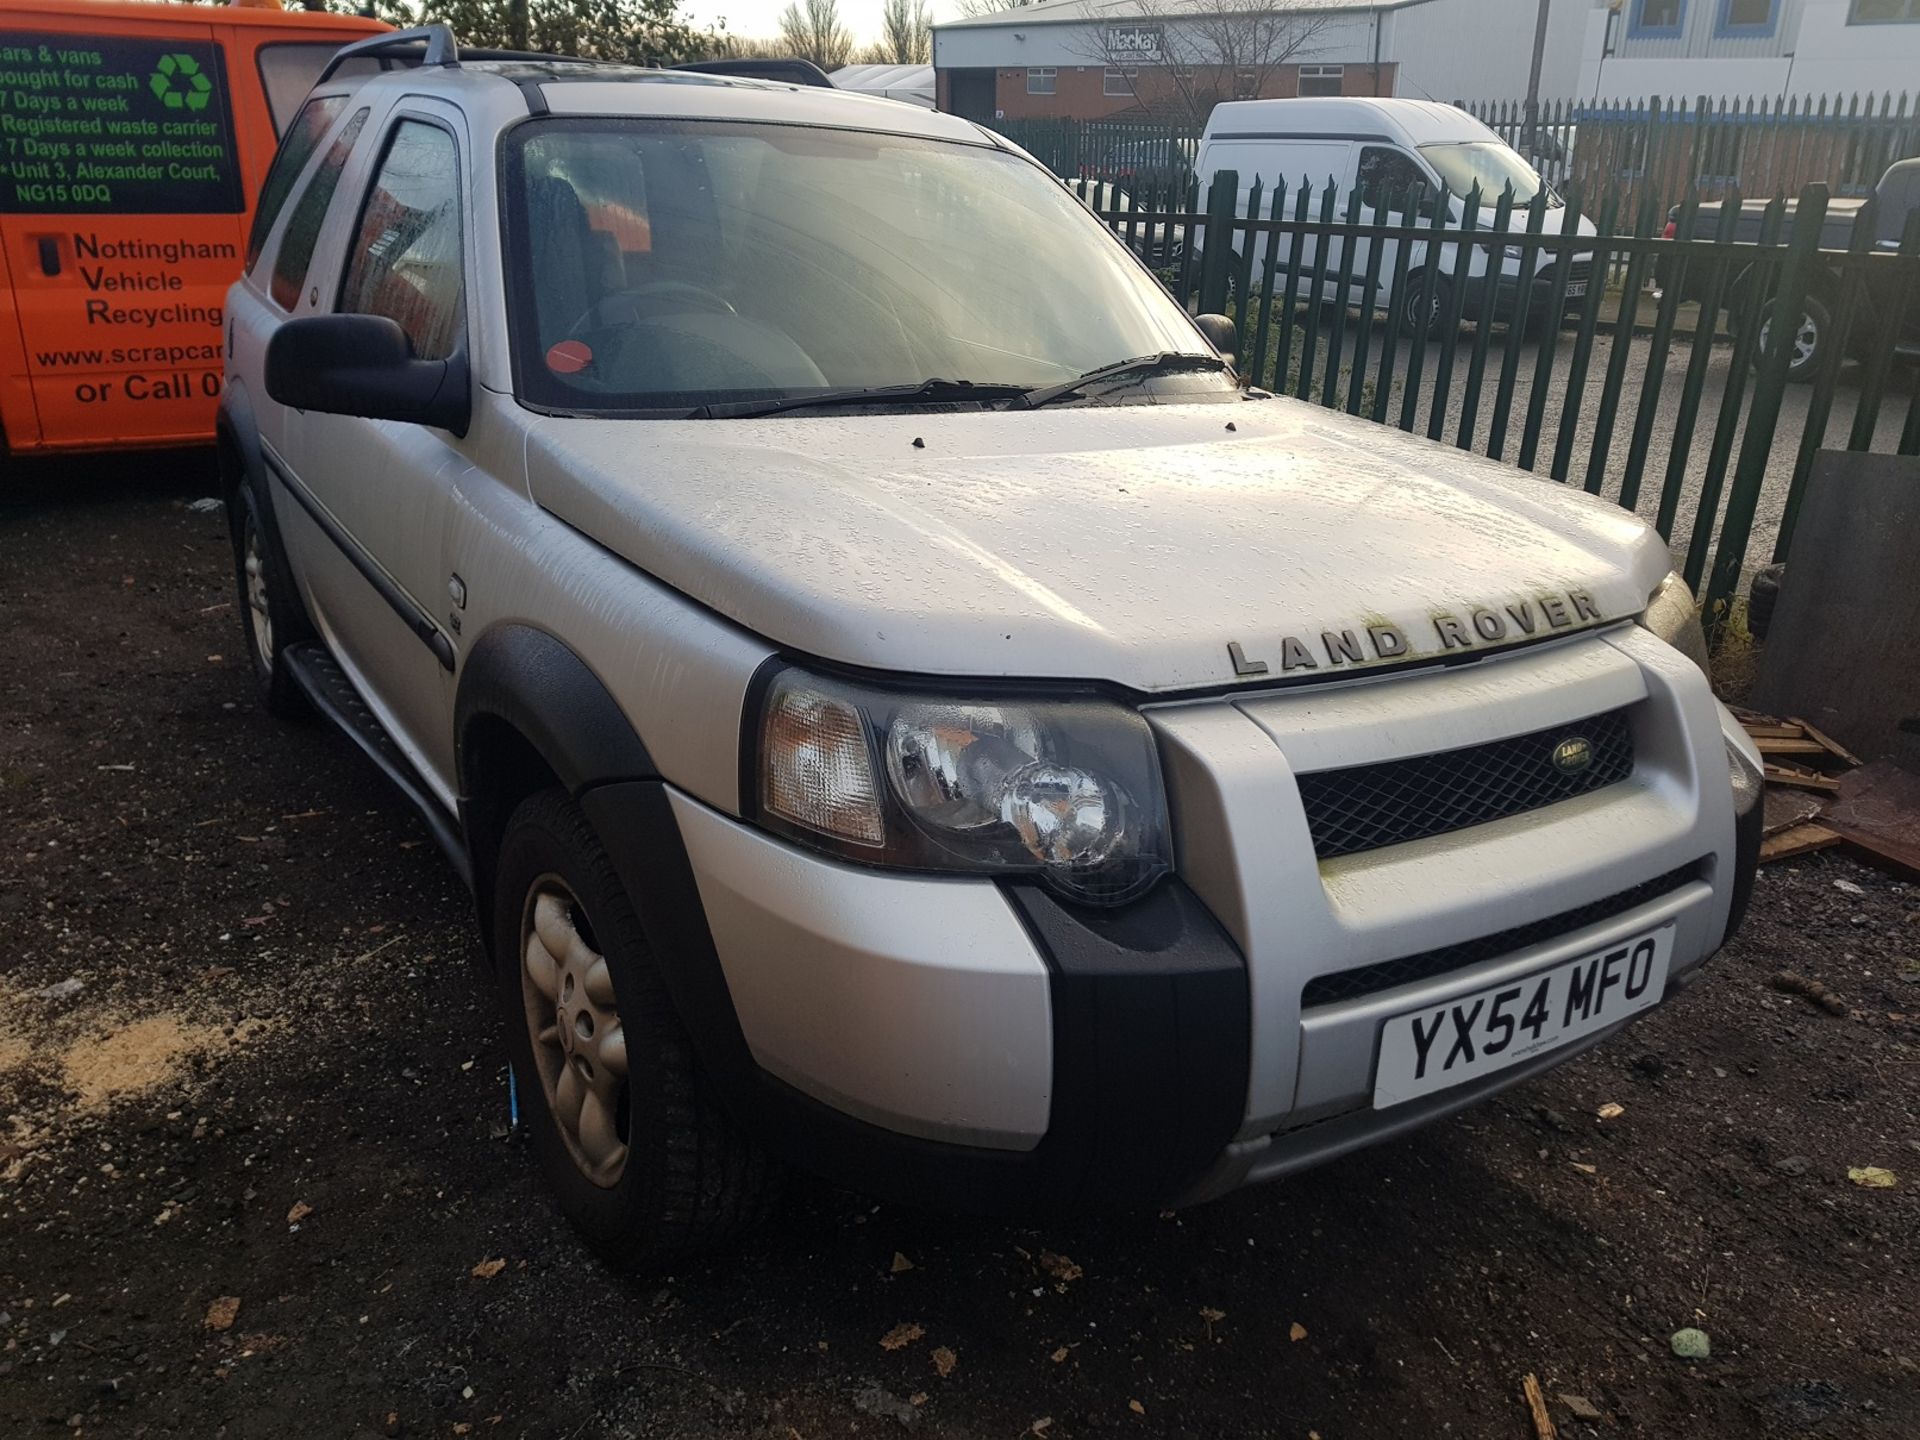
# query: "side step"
x,y
333,695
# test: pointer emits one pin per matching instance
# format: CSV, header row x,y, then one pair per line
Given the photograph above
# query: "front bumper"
x,y
1498,301
985,1046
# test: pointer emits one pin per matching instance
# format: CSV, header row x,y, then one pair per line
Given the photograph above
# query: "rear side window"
x,y
407,257
107,125
288,71
309,214
316,118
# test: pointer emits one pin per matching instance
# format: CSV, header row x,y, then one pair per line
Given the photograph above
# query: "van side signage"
x,y
106,124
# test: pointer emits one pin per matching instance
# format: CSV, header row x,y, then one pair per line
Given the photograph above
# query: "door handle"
x,y
49,255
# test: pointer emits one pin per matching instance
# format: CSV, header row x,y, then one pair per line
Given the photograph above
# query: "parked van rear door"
x,y
120,217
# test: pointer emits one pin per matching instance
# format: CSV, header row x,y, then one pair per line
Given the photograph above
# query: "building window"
x,y
1884,12
1041,81
1322,79
1653,19
1738,18
1118,82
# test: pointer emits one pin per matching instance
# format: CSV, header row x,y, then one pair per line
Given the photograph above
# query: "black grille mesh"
x,y
1368,979
1368,806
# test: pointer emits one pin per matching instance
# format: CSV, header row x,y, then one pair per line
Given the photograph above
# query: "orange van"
x,y
133,140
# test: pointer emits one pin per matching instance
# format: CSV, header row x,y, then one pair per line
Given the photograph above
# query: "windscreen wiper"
x,y
927,391
1165,363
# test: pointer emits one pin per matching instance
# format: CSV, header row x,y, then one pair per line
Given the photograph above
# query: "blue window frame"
x,y
1656,19
1741,19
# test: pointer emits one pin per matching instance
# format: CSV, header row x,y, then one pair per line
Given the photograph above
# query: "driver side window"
x,y
407,254
1387,172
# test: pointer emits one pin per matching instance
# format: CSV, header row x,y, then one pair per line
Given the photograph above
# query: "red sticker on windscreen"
x,y
569,357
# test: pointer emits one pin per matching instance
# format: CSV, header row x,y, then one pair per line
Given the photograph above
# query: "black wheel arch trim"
x,y
534,682
1152,1033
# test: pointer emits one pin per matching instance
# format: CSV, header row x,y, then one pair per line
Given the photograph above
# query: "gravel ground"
x,y
256,1177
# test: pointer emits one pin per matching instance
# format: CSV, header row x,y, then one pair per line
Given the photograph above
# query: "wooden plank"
x,y
1801,779
1800,840
1878,815
1775,732
1833,745
1537,1407
1791,747
1784,809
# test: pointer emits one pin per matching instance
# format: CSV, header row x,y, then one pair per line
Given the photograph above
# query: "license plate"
x,y
1575,289
1489,1030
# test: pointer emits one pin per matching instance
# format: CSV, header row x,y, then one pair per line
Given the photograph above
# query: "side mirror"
x,y
1220,333
364,365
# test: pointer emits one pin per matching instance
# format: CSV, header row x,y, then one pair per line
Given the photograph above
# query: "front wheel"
x,y
641,1162
271,617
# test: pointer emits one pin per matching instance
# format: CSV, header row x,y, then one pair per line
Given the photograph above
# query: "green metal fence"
x,y
1661,391
1667,148
1657,150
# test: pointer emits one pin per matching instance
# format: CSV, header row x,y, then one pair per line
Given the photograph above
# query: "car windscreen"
x,y
664,265
1490,165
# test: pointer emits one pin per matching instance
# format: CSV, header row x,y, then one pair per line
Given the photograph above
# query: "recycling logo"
x,y
179,85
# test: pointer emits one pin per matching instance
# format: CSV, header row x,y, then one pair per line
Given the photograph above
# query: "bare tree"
x,y
973,9
811,30
906,32
1206,51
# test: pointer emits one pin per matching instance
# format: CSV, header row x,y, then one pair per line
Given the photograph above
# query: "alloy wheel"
x,y
579,1048
1806,340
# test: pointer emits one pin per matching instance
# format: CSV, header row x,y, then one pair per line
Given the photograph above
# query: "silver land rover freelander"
x,y
904,708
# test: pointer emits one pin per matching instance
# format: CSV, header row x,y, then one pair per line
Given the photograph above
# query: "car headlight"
x,y
1065,789
1512,252
1672,615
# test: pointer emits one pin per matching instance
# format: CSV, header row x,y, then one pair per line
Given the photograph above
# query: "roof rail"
x,y
438,40
793,72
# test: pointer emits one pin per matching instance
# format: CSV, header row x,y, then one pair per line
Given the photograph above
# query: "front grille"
x,y
1369,806
1368,979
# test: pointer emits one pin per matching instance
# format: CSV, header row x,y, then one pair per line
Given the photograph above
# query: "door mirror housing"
x,y
364,365
1220,333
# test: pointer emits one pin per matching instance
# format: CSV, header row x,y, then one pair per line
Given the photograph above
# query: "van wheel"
x,y
1418,318
271,617
640,1160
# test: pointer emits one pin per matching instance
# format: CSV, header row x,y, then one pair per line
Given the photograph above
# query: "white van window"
x,y
1385,171
288,70
1490,165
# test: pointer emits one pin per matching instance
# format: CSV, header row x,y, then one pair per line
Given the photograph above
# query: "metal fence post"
x,y
1769,389
1217,256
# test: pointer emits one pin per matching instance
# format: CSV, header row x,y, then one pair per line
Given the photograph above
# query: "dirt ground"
x,y
256,1177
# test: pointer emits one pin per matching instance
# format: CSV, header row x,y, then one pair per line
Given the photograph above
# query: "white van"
x,y
1384,147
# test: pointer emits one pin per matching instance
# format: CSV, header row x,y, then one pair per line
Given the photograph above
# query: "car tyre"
x,y
1816,324
1408,307
640,1160
1762,595
271,616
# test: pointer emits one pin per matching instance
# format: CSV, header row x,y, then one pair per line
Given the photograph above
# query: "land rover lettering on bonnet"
x,y
891,725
